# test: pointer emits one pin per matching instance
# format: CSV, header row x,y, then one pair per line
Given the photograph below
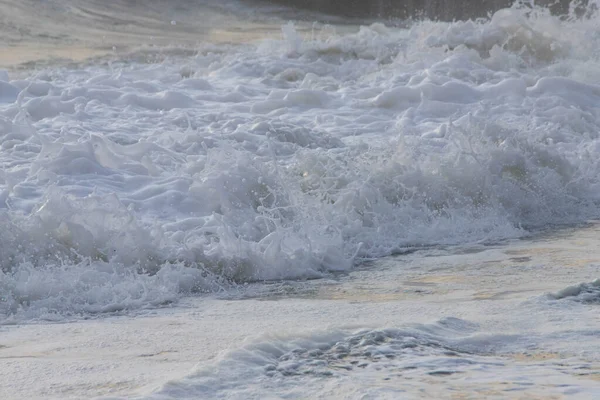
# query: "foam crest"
x,y
587,293
56,290
293,158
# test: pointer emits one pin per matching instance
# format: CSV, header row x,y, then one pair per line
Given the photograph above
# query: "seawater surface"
x,y
216,149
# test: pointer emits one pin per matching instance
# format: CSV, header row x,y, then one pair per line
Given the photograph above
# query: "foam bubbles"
x,y
383,363
588,293
293,158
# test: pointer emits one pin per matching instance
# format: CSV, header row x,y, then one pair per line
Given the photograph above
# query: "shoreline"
x,y
133,355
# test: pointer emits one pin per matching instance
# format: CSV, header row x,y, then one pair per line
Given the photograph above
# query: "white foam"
x,y
8,92
293,158
432,323
584,292
384,363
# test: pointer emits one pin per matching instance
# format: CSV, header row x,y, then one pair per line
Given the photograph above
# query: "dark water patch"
x,y
445,10
443,373
520,259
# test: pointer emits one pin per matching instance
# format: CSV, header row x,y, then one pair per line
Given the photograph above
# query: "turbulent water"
x,y
191,157
126,182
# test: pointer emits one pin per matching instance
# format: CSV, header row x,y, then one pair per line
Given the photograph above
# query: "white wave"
x,y
292,158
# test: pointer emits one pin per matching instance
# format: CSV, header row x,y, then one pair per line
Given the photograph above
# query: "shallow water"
x,y
494,321
224,153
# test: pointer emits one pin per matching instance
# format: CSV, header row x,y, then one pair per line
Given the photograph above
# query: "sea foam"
x,y
125,185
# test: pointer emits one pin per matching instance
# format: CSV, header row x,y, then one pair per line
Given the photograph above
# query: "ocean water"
x,y
304,206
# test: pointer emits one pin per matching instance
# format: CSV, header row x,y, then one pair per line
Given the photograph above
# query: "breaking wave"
x,y
125,184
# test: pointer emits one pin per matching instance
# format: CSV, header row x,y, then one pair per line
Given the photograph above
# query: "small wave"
x,y
587,293
382,363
